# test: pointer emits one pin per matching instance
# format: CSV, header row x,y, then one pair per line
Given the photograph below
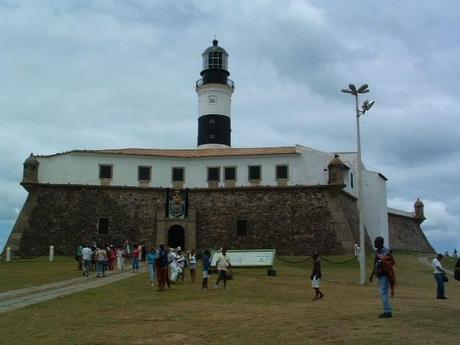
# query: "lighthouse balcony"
x,y
202,81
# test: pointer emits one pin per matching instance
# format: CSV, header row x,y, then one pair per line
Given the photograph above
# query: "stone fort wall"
x,y
406,234
293,220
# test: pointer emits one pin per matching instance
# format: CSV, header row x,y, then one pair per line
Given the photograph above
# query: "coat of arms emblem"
x,y
177,205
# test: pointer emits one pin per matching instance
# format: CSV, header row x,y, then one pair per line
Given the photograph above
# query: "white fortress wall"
x,y
375,212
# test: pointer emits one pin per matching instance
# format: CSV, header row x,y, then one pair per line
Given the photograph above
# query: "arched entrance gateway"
x,y
176,232
176,237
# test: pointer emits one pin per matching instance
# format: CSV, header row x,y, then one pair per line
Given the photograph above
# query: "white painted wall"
x,y
375,211
223,94
306,168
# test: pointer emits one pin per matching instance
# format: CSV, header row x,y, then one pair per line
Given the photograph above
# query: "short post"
x,y
271,272
356,249
51,253
8,254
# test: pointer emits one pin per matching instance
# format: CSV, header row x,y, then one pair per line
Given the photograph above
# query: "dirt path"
x,y
21,298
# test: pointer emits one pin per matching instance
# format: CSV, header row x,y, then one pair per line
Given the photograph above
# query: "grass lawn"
x,y
449,262
22,273
255,310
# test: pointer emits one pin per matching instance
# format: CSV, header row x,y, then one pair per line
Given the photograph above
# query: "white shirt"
x,y
222,262
436,264
86,253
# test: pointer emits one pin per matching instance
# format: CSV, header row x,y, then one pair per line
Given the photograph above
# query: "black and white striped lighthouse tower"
x,y
214,91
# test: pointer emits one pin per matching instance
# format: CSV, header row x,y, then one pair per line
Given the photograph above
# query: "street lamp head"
x,y
352,88
347,91
367,105
370,104
363,88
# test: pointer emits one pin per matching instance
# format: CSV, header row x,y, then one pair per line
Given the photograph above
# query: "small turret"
x,y
419,213
30,171
337,171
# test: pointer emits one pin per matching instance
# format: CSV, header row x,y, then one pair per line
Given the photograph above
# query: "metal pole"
x,y
362,257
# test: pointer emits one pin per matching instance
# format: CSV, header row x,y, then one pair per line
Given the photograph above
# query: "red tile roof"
x,y
194,153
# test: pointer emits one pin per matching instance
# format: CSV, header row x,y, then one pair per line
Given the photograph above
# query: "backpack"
x,y
163,258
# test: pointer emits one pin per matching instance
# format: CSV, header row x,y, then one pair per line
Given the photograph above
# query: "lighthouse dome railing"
x,y
230,83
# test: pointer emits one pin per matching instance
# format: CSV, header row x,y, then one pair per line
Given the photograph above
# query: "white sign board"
x,y
248,258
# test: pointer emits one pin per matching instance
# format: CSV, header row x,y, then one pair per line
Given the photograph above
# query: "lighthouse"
x,y
214,90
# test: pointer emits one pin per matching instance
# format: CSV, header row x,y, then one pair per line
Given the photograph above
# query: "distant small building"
x,y
294,199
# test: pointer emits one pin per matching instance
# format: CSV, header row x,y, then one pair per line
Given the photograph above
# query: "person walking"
x,y
143,253
162,267
78,257
173,268
316,276
135,255
152,265
439,276
384,270
181,262
223,263
87,255
192,265
206,269
101,261
121,258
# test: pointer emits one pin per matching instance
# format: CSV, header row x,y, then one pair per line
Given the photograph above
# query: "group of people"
x,y
101,258
384,270
167,266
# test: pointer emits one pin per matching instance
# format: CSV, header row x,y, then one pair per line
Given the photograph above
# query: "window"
x,y
144,173
230,173
214,174
212,136
241,227
215,60
105,171
351,180
281,171
212,121
254,172
212,100
103,225
178,174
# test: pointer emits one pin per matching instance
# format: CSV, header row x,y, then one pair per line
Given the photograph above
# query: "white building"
x,y
214,164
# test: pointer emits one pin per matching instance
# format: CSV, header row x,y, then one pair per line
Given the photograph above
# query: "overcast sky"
x,y
112,74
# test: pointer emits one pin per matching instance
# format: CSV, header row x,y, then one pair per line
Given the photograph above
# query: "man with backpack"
x,y
384,270
439,276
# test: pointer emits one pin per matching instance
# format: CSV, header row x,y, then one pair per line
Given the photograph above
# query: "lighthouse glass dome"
x,y
215,57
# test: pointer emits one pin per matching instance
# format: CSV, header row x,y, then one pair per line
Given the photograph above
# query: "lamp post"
x,y
367,105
